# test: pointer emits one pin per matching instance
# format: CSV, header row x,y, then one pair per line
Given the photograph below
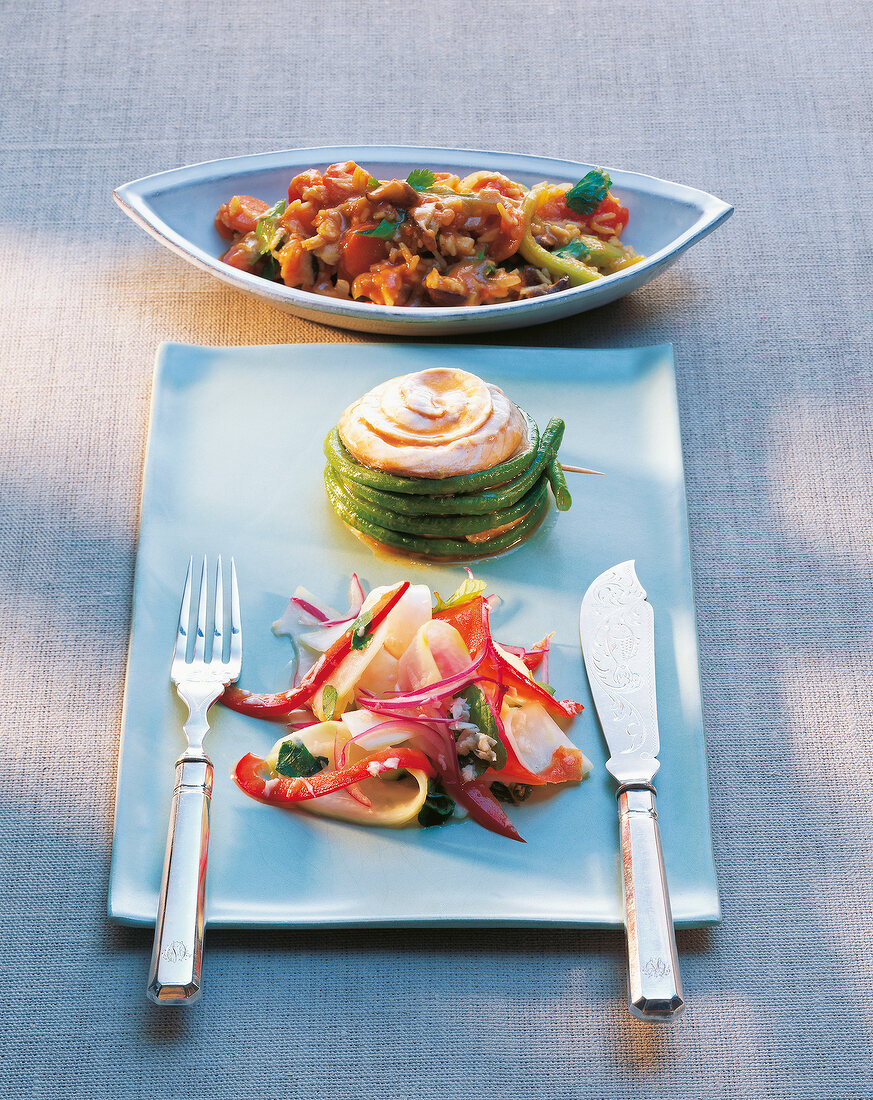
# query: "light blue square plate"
x,y
234,467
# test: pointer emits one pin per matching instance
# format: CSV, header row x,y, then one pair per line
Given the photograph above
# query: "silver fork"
x,y
175,975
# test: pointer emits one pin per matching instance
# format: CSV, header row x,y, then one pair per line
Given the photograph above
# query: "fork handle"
x,y
177,956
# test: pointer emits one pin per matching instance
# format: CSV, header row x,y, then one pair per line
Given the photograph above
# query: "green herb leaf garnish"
x,y
576,250
589,192
437,808
372,183
295,759
488,268
268,231
421,179
469,590
361,636
328,701
385,230
271,268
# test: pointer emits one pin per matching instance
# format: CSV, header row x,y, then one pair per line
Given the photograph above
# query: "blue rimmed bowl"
x,y
178,209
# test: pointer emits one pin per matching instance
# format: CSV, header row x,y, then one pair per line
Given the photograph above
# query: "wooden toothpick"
x,y
580,470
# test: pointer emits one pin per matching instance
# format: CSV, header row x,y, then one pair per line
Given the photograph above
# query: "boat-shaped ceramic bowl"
x,y
178,208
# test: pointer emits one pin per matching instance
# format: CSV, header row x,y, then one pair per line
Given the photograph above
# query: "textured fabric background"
x,y
767,106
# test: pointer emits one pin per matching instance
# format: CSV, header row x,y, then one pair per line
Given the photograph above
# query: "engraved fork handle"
x,y
654,986
174,977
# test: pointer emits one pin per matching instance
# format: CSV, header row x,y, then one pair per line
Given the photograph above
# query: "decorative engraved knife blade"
x,y
617,631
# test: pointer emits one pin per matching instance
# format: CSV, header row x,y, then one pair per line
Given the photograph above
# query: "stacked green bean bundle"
x,y
465,516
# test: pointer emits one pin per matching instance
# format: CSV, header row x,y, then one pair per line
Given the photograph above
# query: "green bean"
x,y
435,517
466,504
535,254
349,469
559,485
436,525
472,203
601,252
419,546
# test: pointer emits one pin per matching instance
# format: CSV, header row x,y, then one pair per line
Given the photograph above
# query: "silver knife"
x,y
617,630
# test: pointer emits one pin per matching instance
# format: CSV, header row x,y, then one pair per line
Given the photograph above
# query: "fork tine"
x,y
218,627
235,655
200,639
180,652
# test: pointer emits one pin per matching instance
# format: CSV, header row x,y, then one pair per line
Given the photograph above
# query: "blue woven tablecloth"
x,y
767,107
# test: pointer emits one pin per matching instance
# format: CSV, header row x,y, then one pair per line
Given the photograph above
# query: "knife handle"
x,y
177,956
654,986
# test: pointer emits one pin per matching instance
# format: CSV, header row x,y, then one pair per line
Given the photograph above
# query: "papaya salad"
x,y
431,239
411,713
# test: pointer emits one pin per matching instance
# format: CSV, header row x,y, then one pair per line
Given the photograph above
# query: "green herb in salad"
x,y
469,590
328,701
295,759
437,808
361,636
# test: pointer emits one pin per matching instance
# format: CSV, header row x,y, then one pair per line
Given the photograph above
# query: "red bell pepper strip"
x,y
277,789
471,621
277,706
533,658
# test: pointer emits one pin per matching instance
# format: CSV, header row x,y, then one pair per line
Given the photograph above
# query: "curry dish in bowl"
x,y
431,239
